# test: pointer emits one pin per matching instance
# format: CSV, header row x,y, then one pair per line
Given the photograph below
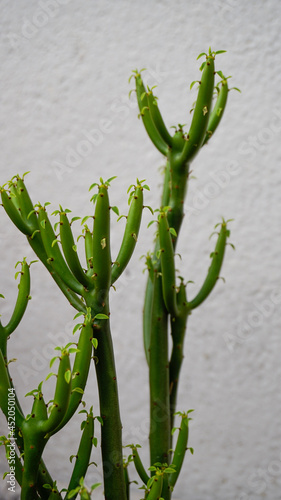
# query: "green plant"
x,y
166,310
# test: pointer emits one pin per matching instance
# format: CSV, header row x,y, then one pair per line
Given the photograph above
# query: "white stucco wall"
x,y
64,73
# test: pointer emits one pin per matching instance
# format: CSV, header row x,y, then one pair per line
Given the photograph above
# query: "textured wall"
x,y
65,68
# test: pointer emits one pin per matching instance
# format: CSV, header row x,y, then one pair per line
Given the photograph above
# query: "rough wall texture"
x,y
65,68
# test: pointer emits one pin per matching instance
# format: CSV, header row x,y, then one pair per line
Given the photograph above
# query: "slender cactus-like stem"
x,y
159,370
178,328
83,455
111,429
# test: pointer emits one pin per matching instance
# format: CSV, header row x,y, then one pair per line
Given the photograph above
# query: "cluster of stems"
x,y
167,307
165,314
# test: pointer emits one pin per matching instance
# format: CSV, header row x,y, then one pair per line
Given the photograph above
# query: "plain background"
x,y
65,66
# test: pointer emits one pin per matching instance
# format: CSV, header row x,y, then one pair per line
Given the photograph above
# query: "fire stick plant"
x,y
166,310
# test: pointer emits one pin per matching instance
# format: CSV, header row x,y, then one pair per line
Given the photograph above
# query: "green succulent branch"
x,y
131,230
165,302
83,454
181,447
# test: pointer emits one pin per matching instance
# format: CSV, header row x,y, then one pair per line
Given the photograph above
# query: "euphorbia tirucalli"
x,y
86,286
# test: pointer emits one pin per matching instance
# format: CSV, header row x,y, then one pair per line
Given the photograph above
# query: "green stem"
x,y
83,456
33,448
159,380
139,466
178,327
147,312
179,172
111,430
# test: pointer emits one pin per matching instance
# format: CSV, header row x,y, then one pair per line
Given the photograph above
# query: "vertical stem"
x,y
159,380
179,175
111,430
178,327
161,413
34,446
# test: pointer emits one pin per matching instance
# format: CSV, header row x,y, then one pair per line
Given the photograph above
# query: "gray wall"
x,y
65,68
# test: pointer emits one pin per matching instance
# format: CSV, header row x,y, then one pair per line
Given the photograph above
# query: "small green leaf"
x,y
220,73
193,83
33,234
54,242
74,219
31,393
111,179
144,109
149,208
47,486
72,493
202,66
77,327
169,470
94,486
158,253
101,316
78,389
150,481
94,197
121,216
78,314
202,54
115,210
69,344
53,360
173,231
100,420
95,343
32,212
84,219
